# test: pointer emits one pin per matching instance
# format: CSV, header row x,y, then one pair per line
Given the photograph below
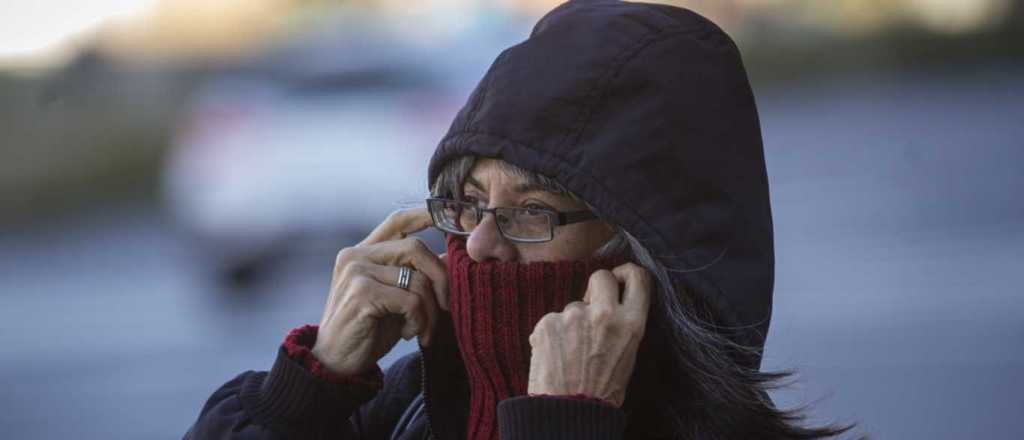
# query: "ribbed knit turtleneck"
x,y
494,307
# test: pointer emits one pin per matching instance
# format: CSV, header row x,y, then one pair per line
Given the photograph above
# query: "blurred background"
x,y
177,175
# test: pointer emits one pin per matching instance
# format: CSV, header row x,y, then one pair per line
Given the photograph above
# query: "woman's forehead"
x,y
488,172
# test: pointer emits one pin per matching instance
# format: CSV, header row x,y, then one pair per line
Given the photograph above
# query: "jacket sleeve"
x,y
553,417
290,402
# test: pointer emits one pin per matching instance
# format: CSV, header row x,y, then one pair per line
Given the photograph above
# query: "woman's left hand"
x,y
590,347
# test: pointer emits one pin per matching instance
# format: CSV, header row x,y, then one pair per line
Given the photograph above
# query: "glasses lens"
x,y
524,224
467,216
453,216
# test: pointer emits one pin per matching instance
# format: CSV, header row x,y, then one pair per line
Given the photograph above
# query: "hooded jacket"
x,y
645,112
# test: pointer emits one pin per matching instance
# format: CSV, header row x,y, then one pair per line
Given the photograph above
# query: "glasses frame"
x,y
556,219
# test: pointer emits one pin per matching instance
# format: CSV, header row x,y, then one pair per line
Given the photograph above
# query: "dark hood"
x,y
644,111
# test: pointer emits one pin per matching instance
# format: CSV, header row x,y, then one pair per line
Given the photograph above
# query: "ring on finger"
x,y
404,277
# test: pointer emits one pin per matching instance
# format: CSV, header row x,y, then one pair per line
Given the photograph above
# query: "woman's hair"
x,y
703,391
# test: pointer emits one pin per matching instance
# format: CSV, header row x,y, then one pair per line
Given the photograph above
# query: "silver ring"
x,y
404,277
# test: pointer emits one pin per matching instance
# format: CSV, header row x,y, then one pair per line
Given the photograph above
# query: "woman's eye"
x,y
471,200
535,209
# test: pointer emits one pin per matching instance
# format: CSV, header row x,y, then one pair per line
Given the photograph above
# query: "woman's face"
x,y
490,185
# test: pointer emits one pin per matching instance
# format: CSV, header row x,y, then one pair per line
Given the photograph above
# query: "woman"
x,y
609,268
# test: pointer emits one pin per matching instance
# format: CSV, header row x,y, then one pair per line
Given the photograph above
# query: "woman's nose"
x,y
486,242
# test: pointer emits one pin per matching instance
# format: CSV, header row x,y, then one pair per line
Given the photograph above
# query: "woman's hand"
x,y
366,312
590,347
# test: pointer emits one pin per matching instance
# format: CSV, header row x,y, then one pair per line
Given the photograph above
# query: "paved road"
x,y
899,246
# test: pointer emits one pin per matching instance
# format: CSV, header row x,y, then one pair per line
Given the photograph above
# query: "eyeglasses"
x,y
524,225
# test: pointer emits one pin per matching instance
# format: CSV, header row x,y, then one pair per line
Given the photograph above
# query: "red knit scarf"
x,y
494,307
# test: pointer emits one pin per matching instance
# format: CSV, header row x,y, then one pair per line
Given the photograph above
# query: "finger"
x,y
575,308
413,252
418,285
398,225
387,299
636,295
602,289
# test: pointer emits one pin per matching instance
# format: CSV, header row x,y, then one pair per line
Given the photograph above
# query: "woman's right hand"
x,y
366,312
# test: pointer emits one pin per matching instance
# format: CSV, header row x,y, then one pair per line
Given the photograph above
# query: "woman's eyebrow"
x,y
520,188
476,183
535,187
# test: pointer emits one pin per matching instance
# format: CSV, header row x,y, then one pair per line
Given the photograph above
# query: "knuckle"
x,y
535,339
357,267
547,325
600,278
546,322
345,255
637,271
353,269
346,272
601,315
613,326
600,274
359,286
573,313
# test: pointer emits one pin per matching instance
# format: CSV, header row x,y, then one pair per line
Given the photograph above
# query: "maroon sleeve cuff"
x,y
299,344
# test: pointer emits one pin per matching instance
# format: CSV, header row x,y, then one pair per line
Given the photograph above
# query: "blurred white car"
x,y
313,144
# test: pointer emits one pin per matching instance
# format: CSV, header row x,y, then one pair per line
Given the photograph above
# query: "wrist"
x,y
583,397
300,346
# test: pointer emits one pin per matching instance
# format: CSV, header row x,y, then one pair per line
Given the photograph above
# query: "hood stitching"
x,y
471,117
602,89
597,94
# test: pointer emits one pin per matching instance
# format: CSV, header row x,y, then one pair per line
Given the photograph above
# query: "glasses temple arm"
x,y
565,218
